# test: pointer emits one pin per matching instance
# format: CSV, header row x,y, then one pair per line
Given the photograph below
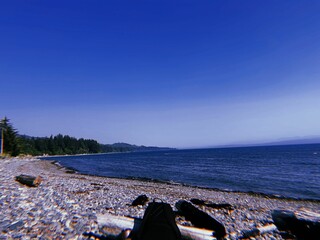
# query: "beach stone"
x,y
16,225
17,236
4,224
249,216
45,210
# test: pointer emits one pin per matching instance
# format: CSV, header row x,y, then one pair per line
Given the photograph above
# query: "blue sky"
x,y
168,73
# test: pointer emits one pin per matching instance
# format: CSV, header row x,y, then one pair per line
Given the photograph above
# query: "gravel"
x,y
64,205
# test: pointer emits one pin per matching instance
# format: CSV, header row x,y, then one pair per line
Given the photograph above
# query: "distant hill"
x,y
293,141
126,147
296,141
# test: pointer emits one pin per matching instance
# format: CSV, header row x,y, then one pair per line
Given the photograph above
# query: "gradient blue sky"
x,y
166,73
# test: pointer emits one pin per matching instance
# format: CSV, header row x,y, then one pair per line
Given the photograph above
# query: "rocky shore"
x,y
65,205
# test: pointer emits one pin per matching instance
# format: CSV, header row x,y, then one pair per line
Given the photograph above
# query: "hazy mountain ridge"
x,y
126,147
313,140
293,141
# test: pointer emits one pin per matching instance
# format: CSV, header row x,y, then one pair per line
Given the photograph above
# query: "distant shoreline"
x,y
250,146
73,155
93,154
179,149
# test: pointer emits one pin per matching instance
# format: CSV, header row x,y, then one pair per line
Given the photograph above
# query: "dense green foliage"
x,y
58,145
61,145
10,138
15,144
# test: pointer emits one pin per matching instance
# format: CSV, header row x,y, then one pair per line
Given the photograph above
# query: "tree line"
x,y
58,145
11,144
15,144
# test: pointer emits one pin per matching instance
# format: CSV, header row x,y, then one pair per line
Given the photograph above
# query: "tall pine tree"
x,y
10,139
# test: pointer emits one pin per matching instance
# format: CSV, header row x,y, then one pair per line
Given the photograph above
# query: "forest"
x,y
14,144
57,145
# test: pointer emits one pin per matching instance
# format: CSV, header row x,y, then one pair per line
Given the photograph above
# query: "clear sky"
x,y
167,73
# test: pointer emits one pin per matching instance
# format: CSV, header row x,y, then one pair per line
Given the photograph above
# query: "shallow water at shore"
x,y
289,171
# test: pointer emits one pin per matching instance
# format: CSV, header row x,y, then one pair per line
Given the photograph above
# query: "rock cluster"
x,y
64,205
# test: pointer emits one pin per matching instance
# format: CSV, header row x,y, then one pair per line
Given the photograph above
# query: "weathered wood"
x,y
201,219
121,222
29,181
260,230
308,215
302,224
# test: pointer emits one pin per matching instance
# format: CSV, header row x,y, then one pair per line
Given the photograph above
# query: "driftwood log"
x,y
120,222
258,231
201,219
28,180
303,224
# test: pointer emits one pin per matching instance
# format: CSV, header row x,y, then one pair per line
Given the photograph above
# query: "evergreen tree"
x,y
10,139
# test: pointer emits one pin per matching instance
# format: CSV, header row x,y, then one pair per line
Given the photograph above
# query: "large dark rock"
x,y
140,200
200,219
301,224
200,202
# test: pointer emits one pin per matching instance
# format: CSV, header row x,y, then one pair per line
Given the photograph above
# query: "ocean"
x,y
288,171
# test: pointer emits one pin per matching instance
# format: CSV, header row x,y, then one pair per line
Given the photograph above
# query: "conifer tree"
x,y
10,139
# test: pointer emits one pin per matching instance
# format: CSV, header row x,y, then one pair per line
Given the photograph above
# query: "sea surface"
x,y
289,171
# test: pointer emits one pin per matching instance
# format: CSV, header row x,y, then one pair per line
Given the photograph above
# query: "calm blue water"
x,y
291,171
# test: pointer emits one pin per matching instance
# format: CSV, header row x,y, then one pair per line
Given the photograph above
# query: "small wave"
x,y
146,179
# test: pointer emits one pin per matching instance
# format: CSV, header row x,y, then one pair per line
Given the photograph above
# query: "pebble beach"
x,y
65,205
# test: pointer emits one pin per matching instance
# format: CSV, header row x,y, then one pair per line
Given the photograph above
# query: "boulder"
x,y
302,224
201,219
140,200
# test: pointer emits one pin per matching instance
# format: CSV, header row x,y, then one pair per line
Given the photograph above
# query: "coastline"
x,y
149,180
65,205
